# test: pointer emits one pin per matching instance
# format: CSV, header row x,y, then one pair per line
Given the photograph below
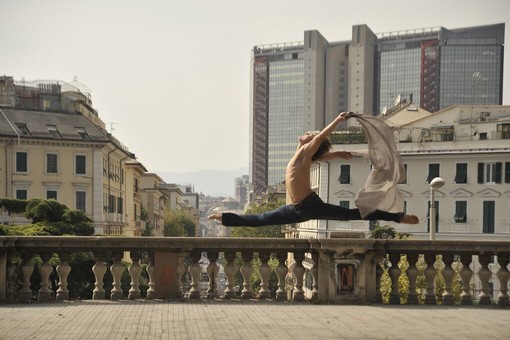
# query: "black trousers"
x,y
311,208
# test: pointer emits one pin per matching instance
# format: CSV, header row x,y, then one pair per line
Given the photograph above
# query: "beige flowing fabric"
x,y
380,190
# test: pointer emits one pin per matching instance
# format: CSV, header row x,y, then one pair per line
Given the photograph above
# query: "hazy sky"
x,y
173,76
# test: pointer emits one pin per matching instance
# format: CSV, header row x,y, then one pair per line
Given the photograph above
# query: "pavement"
x,y
162,319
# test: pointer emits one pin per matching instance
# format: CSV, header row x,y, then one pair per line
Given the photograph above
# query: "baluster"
x,y
466,274
378,275
430,275
44,293
484,274
299,272
99,269
117,269
11,268
212,271
230,270
412,274
281,272
181,269
264,272
503,276
195,270
394,273
315,276
25,294
134,271
63,270
448,274
246,270
151,292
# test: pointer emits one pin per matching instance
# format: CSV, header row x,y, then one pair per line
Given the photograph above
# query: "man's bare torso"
x,y
297,177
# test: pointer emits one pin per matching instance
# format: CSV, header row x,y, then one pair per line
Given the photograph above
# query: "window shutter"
x,y
480,172
498,172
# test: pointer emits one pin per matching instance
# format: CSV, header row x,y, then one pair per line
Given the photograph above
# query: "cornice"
x,y
58,143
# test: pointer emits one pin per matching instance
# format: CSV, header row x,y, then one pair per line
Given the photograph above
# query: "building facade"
x,y
467,146
54,146
298,87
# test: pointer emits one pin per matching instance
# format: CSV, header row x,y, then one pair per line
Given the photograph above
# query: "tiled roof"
x,y
68,125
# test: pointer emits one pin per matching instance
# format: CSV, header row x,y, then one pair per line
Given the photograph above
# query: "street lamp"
x,y
436,183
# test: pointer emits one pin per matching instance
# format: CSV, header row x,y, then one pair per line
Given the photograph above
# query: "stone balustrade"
x,y
333,271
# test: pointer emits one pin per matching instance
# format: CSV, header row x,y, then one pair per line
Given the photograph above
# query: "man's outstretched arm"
x,y
317,140
336,154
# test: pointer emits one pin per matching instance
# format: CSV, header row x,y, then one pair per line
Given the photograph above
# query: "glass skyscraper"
x,y
299,87
277,111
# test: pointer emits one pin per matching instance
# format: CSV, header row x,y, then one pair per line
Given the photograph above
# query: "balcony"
x,y
327,271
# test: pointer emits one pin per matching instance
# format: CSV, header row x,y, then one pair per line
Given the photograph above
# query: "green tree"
x,y
50,217
178,223
144,216
40,210
387,232
265,231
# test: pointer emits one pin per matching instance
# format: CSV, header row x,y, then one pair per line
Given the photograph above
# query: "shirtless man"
x,y
303,203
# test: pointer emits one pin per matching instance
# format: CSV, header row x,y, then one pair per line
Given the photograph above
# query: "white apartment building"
x,y
468,146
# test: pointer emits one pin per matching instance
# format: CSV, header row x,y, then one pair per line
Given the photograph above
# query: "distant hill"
x,y
208,182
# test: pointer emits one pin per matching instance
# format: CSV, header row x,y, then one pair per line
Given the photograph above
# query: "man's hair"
x,y
323,148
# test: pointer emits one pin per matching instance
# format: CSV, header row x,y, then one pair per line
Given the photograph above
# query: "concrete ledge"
x,y
347,234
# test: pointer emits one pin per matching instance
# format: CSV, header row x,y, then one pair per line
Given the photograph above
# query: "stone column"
x,y
315,276
412,274
117,269
99,269
3,274
264,272
230,271
181,269
430,275
212,271
448,274
466,274
378,275
134,271
63,270
44,293
484,274
195,270
281,272
246,270
11,268
25,294
299,272
151,292
394,273
503,276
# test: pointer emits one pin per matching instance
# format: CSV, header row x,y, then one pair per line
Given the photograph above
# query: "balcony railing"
x,y
325,270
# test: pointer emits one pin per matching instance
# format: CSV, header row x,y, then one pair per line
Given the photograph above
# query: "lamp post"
x,y
436,183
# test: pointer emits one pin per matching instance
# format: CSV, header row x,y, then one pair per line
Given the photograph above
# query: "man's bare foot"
x,y
215,217
409,219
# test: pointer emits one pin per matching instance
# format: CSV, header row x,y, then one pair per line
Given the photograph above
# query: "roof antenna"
x,y
111,126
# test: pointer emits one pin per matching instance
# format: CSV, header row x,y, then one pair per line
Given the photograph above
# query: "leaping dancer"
x,y
304,204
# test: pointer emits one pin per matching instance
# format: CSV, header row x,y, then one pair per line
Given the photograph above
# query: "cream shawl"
x,y
380,189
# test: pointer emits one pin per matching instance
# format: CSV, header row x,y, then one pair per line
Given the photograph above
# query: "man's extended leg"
x,y
314,208
284,215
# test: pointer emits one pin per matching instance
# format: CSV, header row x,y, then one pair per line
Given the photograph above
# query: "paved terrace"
x,y
345,300
163,319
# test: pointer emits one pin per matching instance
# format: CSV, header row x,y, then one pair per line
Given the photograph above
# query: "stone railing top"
x,y
187,244
113,243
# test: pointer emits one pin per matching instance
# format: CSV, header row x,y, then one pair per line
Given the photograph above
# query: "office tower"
x,y
298,87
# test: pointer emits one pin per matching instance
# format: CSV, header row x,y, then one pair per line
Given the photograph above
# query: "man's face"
x,y
306,138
